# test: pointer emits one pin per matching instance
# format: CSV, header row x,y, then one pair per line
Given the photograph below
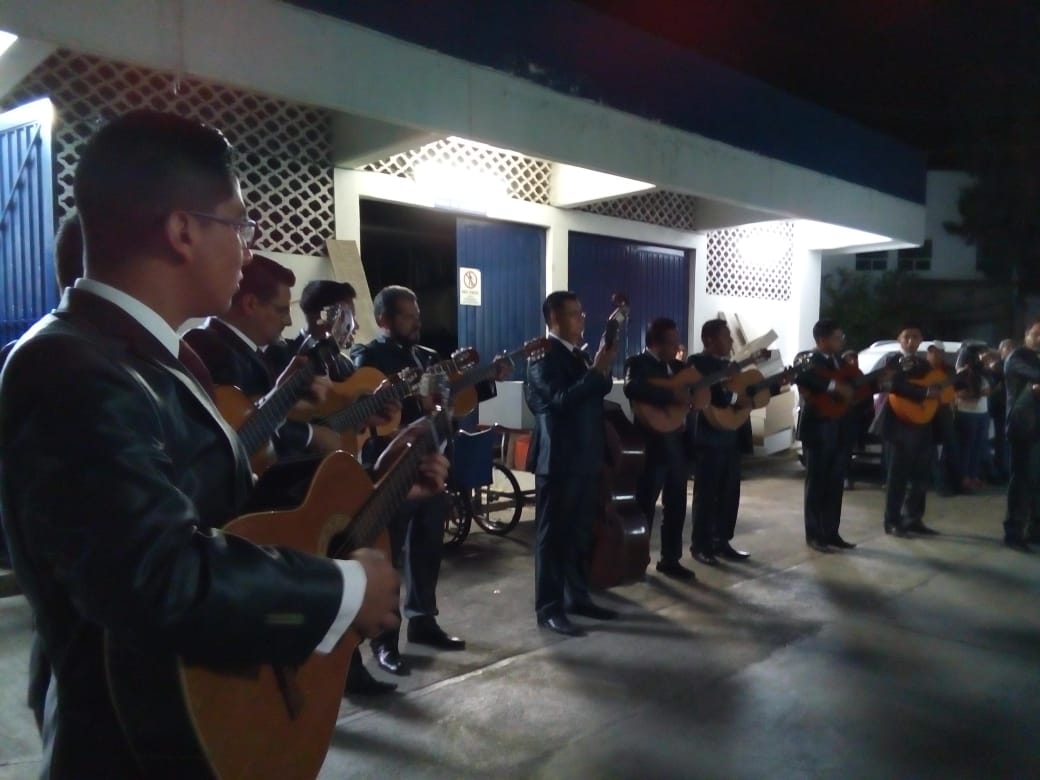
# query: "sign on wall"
x,y
469,286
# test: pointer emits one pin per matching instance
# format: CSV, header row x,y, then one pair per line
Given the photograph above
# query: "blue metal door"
x,y
27,286
655,278
511,261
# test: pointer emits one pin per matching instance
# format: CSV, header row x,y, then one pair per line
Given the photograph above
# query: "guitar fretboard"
x,y
261,425
392,489
353,417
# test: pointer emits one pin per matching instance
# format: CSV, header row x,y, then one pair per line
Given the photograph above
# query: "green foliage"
x,y
1000,212
870,307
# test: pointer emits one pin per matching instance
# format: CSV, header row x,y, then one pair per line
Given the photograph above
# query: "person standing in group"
x,y
1022,379
417,533
716,485
565,391
972,417
665,466
825,440
909,445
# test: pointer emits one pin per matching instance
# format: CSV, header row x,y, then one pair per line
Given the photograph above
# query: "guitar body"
x,y
236,407
620,535
831,407
464,400
667,419
191,721
364,381
730,418
919,412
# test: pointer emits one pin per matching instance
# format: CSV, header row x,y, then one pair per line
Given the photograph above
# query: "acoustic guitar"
x,y
833,407
256,420
264,722
463,382
752,385
667,419
923,412
368,394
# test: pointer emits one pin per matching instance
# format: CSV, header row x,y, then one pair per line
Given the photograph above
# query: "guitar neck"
x,y
483,373
723,373
391,491
353,417
261,425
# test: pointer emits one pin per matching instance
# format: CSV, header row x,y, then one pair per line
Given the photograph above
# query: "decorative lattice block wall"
x,y
751,261
283,149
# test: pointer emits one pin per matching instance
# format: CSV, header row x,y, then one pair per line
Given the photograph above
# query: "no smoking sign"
x,y
469,286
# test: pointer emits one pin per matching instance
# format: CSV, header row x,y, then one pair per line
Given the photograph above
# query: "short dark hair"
x,y
824,329
713,328
261,278
657,329
385,302
139,168
68,251
911,326
320,293
554,302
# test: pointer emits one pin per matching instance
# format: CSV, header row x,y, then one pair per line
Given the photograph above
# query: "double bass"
x,y
621,533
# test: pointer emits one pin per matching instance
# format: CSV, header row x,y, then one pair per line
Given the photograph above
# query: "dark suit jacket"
x,y
639,370
814,429
1021,371
109,503
232,362
886,424
704,434
566,397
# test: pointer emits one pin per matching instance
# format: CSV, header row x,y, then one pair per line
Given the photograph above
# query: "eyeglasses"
x,y
248,230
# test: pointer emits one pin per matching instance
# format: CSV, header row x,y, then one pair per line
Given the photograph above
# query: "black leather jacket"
x,y
116,468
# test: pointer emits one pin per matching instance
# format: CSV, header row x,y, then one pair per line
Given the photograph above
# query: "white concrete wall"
x,y
792,319
952,257
343,67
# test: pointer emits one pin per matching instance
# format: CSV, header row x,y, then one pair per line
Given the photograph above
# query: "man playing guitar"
x,y
112,503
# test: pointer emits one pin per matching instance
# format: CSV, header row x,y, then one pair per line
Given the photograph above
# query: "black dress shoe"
x,y
897,530
361,683
593,611
389,659
425,631
841,544
675,570
1018,544
918,527
726,550
819,546
561,625
706,558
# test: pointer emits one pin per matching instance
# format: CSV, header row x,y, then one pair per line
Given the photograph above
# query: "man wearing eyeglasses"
x,y
116,471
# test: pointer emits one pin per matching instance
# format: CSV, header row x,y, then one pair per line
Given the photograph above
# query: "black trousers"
x,y
1023,497
909,465
566,507
665,469
416,548
716,496
826,464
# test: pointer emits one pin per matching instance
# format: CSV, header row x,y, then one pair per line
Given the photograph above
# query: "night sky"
x,y
942,75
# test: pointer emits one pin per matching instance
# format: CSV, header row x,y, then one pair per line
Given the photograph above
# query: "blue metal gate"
x,y
511,261
655,278
27,285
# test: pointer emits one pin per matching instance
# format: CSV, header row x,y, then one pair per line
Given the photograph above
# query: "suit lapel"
x,y
257,364
113,323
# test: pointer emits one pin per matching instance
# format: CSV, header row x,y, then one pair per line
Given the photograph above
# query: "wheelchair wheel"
x,y
458,520
497,507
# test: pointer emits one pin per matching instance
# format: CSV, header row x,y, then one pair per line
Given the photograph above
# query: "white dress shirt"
x,y
352,573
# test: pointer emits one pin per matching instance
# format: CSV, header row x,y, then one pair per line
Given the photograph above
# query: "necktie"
x,y
580,354
191,361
